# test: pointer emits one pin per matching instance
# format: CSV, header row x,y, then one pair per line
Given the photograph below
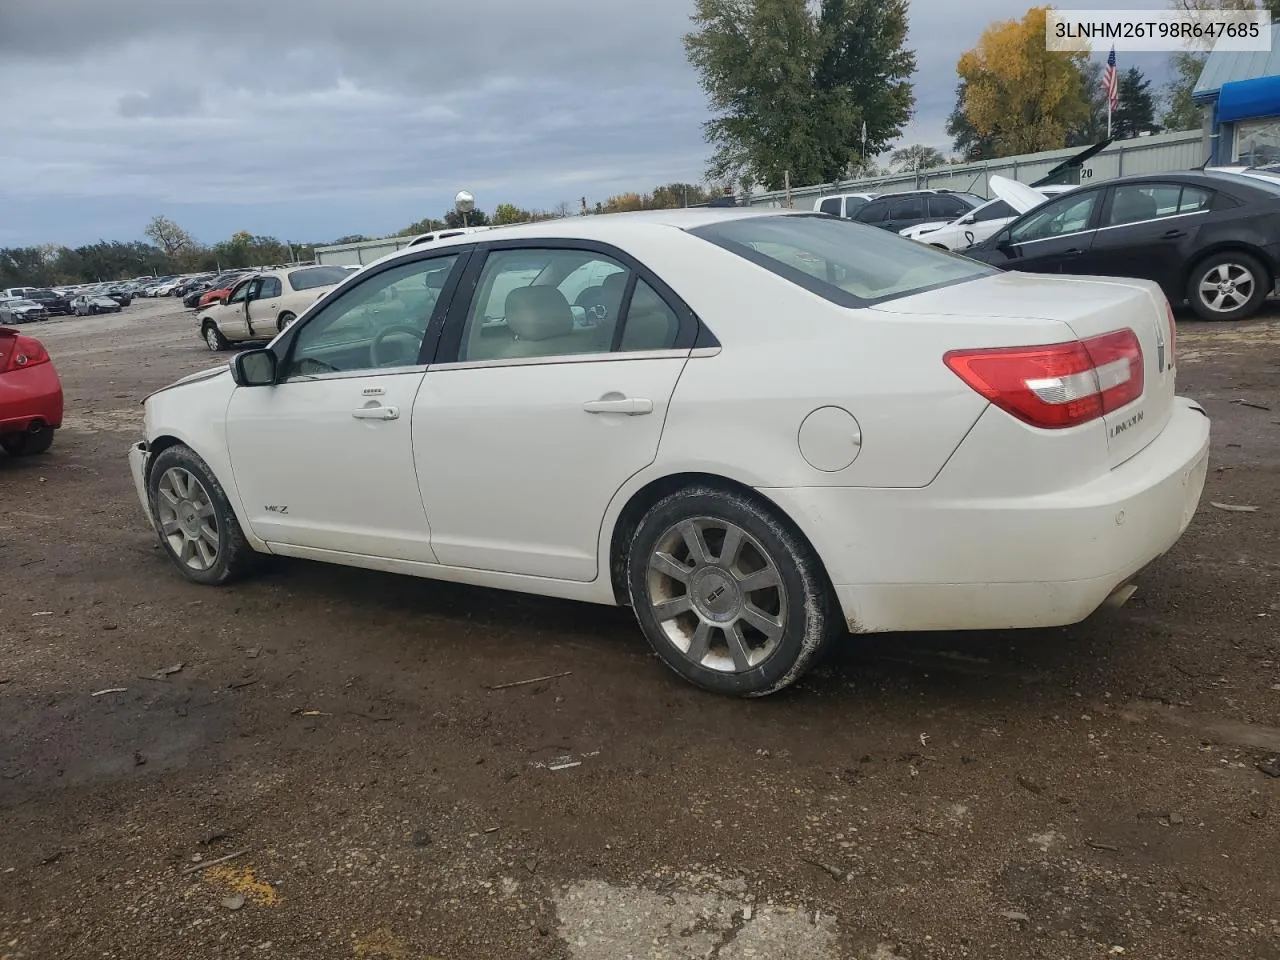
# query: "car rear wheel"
x,y
284,320
214,339
1227,286
37,439
195,522
728,596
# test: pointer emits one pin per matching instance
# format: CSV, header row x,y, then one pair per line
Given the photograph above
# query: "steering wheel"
x,y
375,348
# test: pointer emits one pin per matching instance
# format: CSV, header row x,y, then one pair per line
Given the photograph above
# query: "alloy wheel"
x,y
1227,287
187,519
717,594
211,338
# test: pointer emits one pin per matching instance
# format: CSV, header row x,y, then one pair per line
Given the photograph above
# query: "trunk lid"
x,y
1088,307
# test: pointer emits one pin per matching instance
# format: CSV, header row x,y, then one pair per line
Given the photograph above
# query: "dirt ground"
x,y
1096,791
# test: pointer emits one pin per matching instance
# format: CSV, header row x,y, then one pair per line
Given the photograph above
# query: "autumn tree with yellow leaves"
x,y
1019,95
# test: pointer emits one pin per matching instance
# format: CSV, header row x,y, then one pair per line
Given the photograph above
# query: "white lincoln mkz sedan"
x,y
759,429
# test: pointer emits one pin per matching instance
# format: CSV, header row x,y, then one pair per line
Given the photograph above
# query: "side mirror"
x,y
254,368
966,220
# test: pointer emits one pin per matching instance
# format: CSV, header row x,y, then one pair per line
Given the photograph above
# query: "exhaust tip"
x,y
1120,596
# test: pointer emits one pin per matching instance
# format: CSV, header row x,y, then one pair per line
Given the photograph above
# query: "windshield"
x,y
845,262
316,277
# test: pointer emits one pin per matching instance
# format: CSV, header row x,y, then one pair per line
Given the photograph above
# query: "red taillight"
x,y
1058,385
17,353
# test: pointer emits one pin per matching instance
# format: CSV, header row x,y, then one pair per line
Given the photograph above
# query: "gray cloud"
x,y
381,109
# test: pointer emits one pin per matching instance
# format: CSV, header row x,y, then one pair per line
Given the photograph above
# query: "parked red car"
x,y
219,294
30,395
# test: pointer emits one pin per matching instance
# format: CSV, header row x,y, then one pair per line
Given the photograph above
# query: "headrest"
x,y
538,313
615,282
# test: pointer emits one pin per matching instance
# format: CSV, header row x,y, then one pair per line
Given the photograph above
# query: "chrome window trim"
x,y
609,357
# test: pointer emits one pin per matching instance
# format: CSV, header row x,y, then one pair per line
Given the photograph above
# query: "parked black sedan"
x,y
1208,238
55,304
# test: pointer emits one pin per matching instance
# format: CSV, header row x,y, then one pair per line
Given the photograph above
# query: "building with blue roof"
x,y
1239,91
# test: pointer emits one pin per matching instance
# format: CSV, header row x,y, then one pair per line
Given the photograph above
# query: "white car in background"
x,y
1011,201
842,204
926,442
262,304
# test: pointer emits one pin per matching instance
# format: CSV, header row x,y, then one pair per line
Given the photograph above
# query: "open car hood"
x,y
1017,195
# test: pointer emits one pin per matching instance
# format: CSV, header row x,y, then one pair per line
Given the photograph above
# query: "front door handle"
x,y
1173,235
377,413
1073,252
630,406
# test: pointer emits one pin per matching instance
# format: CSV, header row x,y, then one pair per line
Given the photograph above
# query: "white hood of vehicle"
x,y
1017,195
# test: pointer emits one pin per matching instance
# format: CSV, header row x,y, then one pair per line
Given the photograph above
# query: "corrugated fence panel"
x,y
1160,153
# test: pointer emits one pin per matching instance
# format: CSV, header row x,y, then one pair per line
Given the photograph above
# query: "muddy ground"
x,y
1077,793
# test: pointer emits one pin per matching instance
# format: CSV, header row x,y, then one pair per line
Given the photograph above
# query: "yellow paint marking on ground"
x,y
382,944
241,880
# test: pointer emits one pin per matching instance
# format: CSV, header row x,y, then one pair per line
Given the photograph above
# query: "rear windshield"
x,y
316,277
845,262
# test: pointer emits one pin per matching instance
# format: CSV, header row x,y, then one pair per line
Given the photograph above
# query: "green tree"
x,y
425,225
1136,111
671,195
965,138
790,87
916,157
476,218
506,213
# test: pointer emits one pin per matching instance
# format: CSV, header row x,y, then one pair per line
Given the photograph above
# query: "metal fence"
x,y
1159,153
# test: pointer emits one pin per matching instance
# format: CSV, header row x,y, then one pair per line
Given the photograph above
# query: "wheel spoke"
x,y
1208,287
770,627
700,644
669,566
188,551
760,580
209,535
667,609
738,647
1219,273
205,512
694,540
207,553
731,547
169,496
170,527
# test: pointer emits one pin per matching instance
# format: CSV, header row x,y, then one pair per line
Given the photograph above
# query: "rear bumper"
x,y
920,560
28,395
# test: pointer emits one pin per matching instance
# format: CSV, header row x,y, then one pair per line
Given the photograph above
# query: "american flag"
x,y
1109,82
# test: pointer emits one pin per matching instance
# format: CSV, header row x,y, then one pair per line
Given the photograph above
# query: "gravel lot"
x,y
1079,793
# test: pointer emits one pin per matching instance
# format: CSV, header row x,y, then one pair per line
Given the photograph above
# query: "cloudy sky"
x,y
310,119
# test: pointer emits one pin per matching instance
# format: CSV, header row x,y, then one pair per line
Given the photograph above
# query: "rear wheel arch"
x,y
646,497
1229,246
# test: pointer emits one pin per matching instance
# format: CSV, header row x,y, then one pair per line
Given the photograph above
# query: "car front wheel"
x,y
1227,286
214,339
728,595
194,519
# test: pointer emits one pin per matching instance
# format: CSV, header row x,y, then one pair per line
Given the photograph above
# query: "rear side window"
x,y
313,277
841,261
831,206
873,212
910,209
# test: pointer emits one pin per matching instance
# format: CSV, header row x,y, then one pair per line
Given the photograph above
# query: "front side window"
x,y
239,294
1070,214
841,261
995,210
377,324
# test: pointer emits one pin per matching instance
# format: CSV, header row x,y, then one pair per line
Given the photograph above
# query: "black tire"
x,y
213,338
234,557
804,605
284,320
28,443
1231,263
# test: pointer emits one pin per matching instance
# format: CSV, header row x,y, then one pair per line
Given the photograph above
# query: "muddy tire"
x,y
28,443
729,596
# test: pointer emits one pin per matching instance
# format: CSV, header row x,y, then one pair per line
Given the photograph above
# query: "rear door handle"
x,y
1174,235
1073,252
377,413
630,406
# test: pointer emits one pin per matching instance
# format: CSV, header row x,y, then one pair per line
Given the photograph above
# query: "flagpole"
x,y
1108,118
